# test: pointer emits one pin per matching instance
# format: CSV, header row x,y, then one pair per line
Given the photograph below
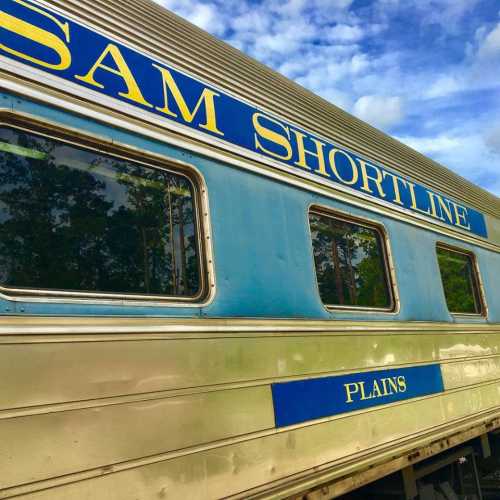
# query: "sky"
x,y
427,72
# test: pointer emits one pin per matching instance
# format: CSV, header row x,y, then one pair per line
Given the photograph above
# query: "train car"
x,y
215,284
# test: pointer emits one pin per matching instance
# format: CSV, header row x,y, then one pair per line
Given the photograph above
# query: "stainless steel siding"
x,y
147,26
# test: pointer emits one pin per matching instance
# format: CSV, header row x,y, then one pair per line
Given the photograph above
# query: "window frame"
x,y
106,146
477,281
389,269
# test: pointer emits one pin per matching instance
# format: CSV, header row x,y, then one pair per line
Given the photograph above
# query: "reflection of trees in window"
x,y
349,263
459,281
72,219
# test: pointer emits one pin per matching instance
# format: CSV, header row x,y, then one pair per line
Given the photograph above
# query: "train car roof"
x,y
152,28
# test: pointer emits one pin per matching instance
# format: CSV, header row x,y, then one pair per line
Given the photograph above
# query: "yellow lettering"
x,y
376,390
318,154
38,35
444,207
333,165
207,98
271,135
363,395
384,385
413,197
121,69
350,389
402,383
395,185
432,201
377,180
461,216
393,384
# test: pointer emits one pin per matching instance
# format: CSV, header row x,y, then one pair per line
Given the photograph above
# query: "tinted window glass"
x,y
459,281
77,220
350,263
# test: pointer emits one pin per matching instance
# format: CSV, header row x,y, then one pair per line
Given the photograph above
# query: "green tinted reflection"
x,y
349,263
459,281
72,219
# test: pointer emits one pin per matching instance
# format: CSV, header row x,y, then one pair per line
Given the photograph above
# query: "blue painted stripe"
x,y
304,400
237,122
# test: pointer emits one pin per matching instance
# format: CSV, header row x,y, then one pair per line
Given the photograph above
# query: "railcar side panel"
x,y
138,399
267,269
141,410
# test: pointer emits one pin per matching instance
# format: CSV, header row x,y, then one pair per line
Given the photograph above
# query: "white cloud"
x,y
466,152
252,21
444,86
446,13
345,33
490,47
441,144
480,67
380,111
493,141
358,63
357,58
297,7
203,15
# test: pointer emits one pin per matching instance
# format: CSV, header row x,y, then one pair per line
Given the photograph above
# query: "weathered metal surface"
x,y
229,468
285,284
139,408
56,443
185,406
57,368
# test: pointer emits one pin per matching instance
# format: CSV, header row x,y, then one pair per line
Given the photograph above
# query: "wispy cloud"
x,y
426,71
493,140
490,46
381,111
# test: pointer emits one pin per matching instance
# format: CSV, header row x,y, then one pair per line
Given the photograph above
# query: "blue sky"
x,y
425,71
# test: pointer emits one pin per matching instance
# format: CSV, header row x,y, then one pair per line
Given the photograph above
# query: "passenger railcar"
x,y
216,284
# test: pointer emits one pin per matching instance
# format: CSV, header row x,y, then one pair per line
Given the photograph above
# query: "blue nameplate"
x,y
303,400
42,39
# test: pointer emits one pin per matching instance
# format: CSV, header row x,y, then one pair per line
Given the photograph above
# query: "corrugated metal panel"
x,y
151,28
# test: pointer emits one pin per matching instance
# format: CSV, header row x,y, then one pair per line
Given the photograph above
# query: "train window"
x,y
460,281
78,220
350,260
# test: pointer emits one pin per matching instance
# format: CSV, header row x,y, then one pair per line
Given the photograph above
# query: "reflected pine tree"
x,y
349,263
72,219
459,282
